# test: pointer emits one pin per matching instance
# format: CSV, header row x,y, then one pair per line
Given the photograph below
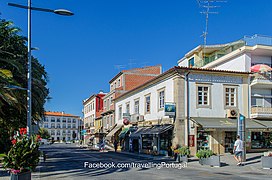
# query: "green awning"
x,y
266,123
225,123
123,133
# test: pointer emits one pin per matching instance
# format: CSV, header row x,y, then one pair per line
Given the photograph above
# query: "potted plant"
x,y
207,157
23,157
267,161
183,153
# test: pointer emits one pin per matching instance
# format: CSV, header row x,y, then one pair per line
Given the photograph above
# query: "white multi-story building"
x,y
241,56
92,108
62,126
203,100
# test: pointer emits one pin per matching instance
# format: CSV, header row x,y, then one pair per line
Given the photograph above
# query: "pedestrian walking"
x,y
115,145
238,150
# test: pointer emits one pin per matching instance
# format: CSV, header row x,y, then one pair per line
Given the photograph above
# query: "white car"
x,y
45,141
68,142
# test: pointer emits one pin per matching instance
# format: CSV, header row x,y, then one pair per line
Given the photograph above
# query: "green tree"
x,y
13,71
44,133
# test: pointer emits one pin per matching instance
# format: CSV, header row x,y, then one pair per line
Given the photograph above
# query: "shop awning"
x,y
158,129
224,123
266,123
113,131
123,133
137,134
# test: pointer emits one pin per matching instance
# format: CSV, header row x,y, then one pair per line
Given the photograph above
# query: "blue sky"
x,y
80,52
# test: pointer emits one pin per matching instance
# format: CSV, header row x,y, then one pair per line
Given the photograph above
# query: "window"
x,y
64,126
52,125
111,120
53,132
74,126
68,132
58,119
69,125
127,108
161,99
58,132
45,125
69,120
191,62
58,125
86,125
64,120
120,113
203,95
74,121
46,119
136,106
230,96
63,132
104,105
147,104
119,83
52,119
108,104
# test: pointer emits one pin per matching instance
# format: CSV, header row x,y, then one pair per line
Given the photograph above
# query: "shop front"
x,y
156,139
219,134
113,134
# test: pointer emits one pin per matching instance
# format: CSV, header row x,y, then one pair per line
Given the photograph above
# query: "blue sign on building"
x,y
170,109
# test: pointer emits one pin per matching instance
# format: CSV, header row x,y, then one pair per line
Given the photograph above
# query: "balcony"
x,y
261,81
261,112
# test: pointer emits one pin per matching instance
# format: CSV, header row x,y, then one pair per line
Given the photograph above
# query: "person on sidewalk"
x,y
238,150
115,145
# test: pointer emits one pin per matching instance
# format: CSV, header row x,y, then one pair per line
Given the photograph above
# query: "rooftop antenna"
x,y
119,67
144,64
131,63
206,6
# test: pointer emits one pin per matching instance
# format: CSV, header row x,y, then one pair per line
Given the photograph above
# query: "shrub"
x,y
204,153
184,151
23,155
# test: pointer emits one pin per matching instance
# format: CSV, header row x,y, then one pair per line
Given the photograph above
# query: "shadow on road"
x,y
70,162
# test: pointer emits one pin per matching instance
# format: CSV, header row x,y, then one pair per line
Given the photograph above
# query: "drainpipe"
x,y
187,108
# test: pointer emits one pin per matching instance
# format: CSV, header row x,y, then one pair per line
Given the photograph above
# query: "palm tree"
x,y
13,71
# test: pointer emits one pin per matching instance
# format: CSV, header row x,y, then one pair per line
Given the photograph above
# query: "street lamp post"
x,y
29,63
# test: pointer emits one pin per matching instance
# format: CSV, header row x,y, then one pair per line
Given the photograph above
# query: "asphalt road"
x,y
66,161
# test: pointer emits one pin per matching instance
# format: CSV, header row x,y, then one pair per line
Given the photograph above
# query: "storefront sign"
x,y
170,109
191,140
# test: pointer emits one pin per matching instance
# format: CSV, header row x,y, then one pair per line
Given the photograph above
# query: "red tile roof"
x,y
49,113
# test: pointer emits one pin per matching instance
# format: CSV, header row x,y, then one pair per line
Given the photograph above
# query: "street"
x,y
66,161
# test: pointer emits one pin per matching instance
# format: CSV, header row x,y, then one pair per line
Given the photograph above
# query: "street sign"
x,y
170,109
241,127
126,114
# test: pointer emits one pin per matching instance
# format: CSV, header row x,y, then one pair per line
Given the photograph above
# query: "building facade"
x,y
62,126
92,107
241,56
202,98
121,83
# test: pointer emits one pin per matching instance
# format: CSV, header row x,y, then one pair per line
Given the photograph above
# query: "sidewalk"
x,y
252,165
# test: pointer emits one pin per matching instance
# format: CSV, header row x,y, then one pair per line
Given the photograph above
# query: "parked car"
x,y
45,141
68,142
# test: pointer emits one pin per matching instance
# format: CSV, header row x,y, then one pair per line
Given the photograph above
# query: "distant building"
x,y
62,126
124,81
92,108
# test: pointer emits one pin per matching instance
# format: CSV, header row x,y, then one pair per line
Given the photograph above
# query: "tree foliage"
x,y
13,71
44,133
